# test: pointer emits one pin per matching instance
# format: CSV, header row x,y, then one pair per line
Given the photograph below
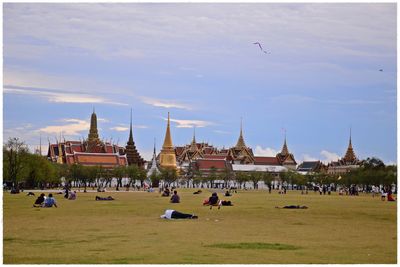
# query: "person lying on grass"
x,y
292,207
105,198
173,214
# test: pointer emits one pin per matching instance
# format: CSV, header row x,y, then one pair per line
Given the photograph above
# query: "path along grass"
x,y
334,229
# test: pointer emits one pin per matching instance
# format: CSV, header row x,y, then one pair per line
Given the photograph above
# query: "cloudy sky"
x,y
320,77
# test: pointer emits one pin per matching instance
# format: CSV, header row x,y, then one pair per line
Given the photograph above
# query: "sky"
x,y
328,68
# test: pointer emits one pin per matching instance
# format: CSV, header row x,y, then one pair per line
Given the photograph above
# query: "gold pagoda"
x,y
167,155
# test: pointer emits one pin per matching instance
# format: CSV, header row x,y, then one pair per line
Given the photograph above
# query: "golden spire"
x,y
240,143
193,146
350,156
168,140
167,155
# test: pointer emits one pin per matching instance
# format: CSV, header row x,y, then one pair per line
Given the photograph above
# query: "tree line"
x,y
35,171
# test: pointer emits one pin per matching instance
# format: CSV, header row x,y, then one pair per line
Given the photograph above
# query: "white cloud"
x,y
266,152
190,123
329,156
74,127
119,129
124,128
57,96
164,103
306,157
221,132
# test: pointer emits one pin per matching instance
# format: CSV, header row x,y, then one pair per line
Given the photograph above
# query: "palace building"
x,y
94,151
345,164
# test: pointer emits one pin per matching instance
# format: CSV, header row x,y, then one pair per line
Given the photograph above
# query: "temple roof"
x,y
350,156
266,161
240,143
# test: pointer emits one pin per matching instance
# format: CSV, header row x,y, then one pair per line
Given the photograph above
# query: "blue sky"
x,y
198,62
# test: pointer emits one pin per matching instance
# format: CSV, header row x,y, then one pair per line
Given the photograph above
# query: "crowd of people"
x,y
44,201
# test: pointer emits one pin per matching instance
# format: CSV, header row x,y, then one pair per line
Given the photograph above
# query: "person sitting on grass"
x,y
49,202
227,194
213,201
105,198
166,193
390,196
173,214
175,198
39,201
72,195
292,207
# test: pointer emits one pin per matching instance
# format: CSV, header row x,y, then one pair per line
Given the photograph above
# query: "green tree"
x,y
14,152
169,175
242,178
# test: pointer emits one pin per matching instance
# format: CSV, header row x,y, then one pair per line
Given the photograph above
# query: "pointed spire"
x,y
285,150
167,155
168,139
130,140
93,133
154,153
240,143
193,146
350,156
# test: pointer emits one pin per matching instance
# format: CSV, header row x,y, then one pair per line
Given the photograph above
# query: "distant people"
x,y
166,192
175,197
227,194
49,202
173,214
66,193
214,201
292,207
383,195
104,198
226,203
72,195
39,201
30,194
390,196
197,192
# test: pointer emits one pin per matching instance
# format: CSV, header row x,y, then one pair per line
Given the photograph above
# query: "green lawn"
x,y
335,229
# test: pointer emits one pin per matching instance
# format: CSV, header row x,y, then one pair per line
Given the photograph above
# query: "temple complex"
x,y
93,151
345,164
167,155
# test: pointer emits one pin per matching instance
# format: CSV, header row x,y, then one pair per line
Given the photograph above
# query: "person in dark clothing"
x,y
197,192
30,194
227,194
293,207
104,198
214,201
39,201
173,214
175,198
166,193
226,203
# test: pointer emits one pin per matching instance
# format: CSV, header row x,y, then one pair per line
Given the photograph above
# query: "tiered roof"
x,y
132,154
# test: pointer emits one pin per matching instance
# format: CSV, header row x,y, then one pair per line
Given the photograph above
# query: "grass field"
x,y
335,229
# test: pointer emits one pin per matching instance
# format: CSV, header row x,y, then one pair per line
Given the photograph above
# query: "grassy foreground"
x,y
335,229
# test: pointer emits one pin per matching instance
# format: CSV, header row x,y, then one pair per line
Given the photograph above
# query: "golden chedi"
x,y
167,155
